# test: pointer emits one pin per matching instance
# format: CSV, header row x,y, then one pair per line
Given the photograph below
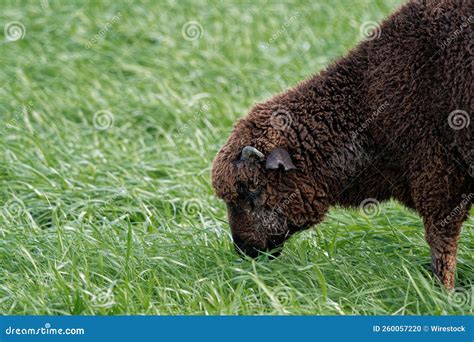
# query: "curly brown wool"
x,y
389,120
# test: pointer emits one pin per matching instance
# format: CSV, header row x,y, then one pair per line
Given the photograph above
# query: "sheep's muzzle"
x,y
271,247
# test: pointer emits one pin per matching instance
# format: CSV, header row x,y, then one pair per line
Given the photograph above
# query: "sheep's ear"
x,y
279,157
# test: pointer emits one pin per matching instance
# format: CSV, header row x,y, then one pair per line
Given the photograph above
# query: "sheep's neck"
x,y
337,119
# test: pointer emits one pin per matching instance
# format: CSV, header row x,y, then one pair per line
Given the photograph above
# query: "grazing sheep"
x,y
390,120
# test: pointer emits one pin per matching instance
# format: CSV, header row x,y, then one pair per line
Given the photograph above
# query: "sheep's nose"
x,y
244,248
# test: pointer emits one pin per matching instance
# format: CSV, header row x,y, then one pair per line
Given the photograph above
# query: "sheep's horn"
x,y
249,151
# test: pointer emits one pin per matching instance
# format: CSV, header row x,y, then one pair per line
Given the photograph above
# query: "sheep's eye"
x,y
253,196
249,192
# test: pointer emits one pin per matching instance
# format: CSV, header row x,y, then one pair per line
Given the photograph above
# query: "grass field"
x,y
111,114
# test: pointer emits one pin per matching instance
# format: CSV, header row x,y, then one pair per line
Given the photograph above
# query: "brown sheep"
x,y
389,120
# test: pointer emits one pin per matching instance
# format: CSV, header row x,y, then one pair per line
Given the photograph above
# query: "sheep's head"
x,y
267,190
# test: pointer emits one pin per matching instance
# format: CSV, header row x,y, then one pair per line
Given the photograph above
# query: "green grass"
x,y
123,220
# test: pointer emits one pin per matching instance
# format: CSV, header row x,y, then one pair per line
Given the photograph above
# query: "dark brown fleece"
x,y
389,120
